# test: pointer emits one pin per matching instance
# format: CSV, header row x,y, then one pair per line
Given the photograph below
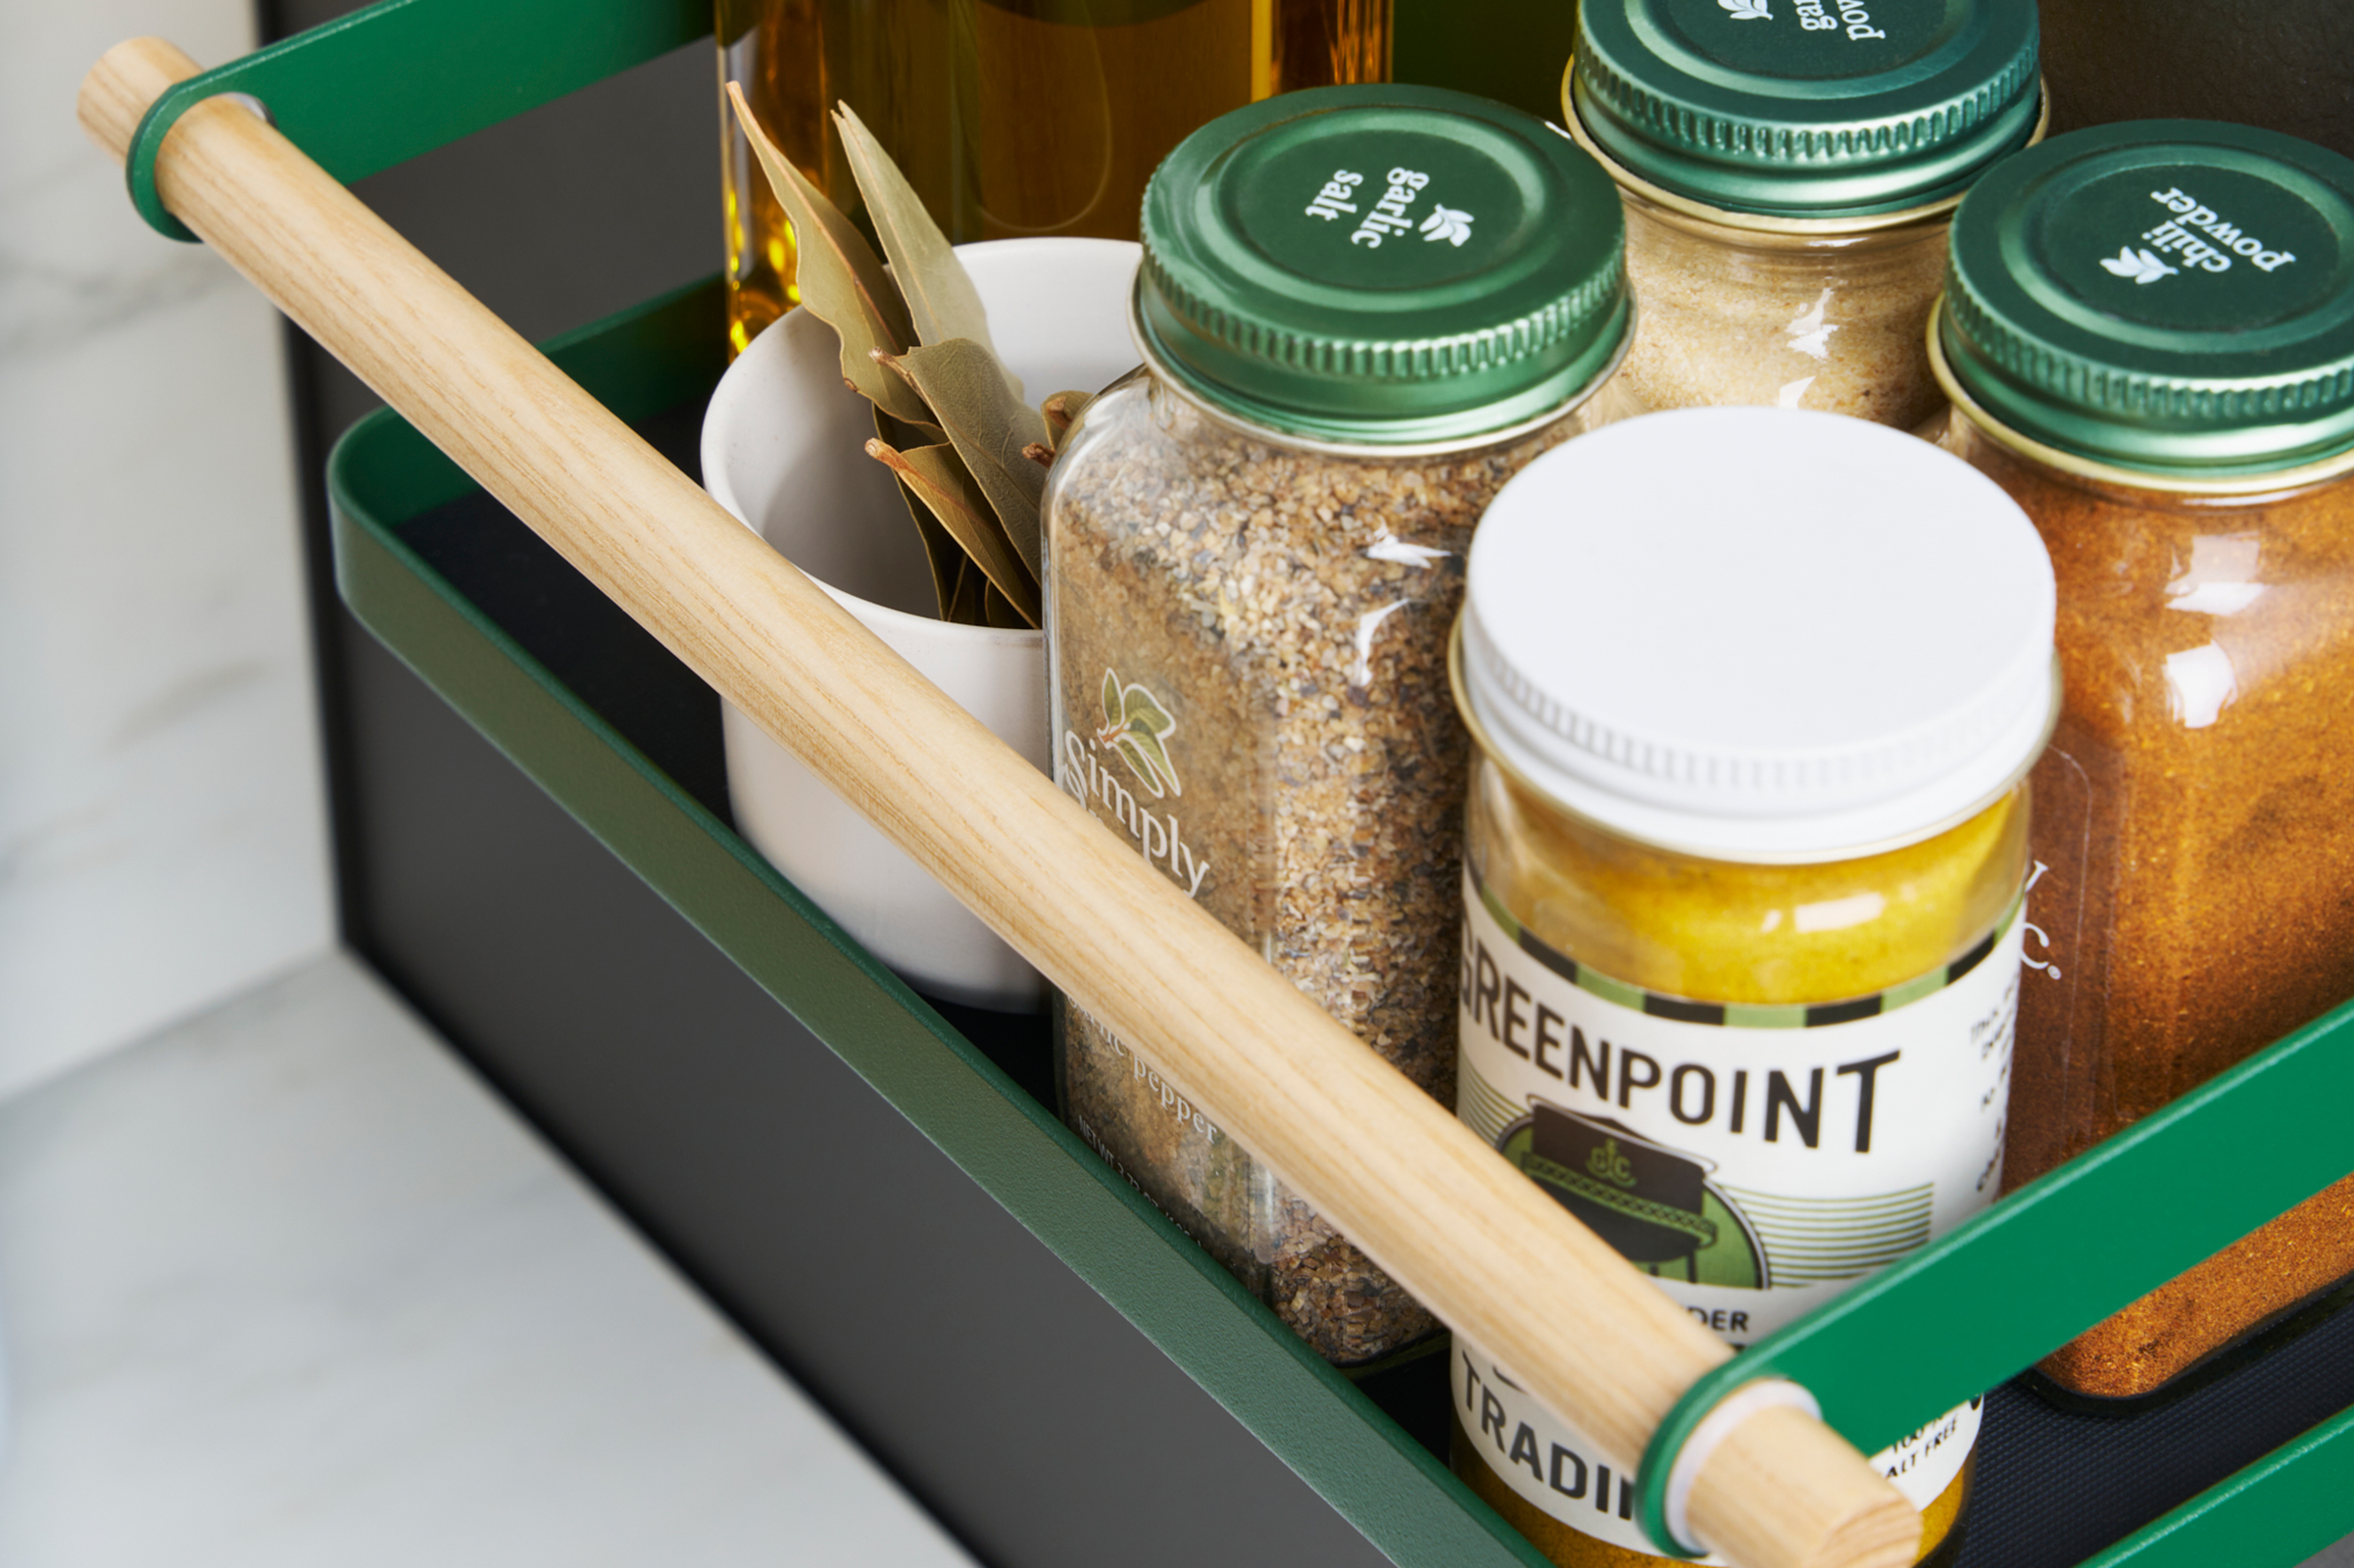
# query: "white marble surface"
x,y
285,1287
162,823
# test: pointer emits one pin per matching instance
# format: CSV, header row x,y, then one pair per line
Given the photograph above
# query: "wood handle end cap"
x,y
1783,1491
124,85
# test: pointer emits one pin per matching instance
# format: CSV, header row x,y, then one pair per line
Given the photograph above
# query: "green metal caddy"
x,y
404,77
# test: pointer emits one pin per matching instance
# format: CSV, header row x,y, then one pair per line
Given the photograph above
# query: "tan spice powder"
x,y
2193,899
1285,615
1803,320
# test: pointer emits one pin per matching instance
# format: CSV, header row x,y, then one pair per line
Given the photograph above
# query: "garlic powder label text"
x,y
1814,15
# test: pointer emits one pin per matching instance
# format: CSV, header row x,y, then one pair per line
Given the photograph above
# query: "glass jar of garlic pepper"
x,y
2149,340
1744,855
1361,311
1787,179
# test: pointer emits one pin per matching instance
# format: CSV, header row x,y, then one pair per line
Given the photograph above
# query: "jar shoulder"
x,y
2176,613
1718,931
1245,533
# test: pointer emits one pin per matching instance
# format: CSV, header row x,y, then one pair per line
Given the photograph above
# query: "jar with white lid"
x,y
1789,176
1745,855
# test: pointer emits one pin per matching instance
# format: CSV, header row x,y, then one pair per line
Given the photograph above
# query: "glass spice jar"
x,y
1788,180
1361,311
2149,343
1743,865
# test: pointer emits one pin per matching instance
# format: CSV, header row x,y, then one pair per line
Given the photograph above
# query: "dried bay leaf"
x,y
941,551
997,610
942,300
1060,411
972,589
905,433
989,427
941,482
842,280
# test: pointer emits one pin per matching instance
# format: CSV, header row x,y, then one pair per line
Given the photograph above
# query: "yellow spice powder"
x,y
1734,933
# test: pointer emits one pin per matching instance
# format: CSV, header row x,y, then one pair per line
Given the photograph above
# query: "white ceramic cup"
x,y
782,449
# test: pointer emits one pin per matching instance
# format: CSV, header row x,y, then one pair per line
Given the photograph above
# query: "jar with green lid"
x,y
1361,311
1788,171
1744,852
2149,343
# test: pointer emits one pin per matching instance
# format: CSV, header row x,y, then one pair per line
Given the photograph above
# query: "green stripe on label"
x,y
1743,1014
1496,907
1928,985
1813,1240
1601,985
1757,1015
1482,1106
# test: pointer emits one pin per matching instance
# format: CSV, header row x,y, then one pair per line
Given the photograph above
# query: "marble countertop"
x,y
285,1285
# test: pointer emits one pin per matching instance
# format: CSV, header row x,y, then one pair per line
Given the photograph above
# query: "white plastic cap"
x,y
1759,634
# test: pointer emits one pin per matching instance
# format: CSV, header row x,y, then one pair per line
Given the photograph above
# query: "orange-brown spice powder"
x,y
2193,897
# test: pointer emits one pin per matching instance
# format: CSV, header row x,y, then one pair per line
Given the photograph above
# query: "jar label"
x,y
1753,1160
1555,1469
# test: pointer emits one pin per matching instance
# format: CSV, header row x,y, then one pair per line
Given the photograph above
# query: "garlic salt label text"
x,y
1389,212
1753,1160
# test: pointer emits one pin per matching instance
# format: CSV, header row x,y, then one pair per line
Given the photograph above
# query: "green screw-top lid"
x,y
2174,296
1807,108
1382,264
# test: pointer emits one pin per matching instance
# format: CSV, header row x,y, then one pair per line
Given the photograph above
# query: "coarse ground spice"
x,y
2194,892
1289,611
1360,310
1742,944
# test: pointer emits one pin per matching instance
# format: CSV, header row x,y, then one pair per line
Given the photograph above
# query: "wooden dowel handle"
x,y
1473,1239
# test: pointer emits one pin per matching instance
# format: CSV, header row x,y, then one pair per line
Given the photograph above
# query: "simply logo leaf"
x,y
1137,726
2142,265
1448,224
1747,10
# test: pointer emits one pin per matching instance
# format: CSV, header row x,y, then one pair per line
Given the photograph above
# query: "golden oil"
x,y
1009,116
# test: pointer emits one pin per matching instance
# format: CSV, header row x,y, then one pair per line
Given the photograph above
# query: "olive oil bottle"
x,y
1009,118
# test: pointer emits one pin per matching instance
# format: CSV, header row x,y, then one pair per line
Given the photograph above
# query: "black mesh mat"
x,y
2056,1487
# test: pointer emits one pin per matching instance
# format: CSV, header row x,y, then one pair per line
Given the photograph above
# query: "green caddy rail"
x,y
349,93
